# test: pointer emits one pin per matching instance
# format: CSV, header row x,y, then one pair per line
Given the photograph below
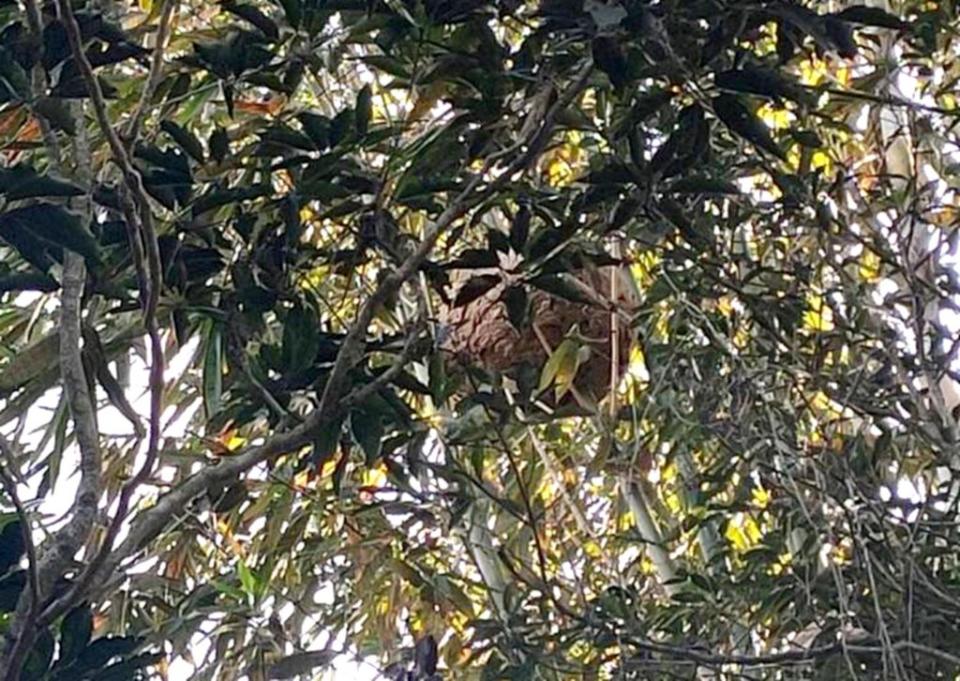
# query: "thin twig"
x,y
132,131
525,496
38,78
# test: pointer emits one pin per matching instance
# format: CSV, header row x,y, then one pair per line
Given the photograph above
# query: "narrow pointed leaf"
x,y
185,139
745,124
475,288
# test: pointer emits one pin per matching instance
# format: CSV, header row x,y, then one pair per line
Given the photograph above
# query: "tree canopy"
x,y
238,242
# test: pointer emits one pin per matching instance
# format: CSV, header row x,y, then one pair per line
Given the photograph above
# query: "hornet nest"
x,y
591,306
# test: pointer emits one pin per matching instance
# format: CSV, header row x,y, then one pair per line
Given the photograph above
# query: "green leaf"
x,y
697,184
497,241
317,127
52,224
840,34
474,258
404,380
128,669
284,136
764,82
575,118
387,64
340,470
58,114
702,582
298,664
342,125
250,13
645,106
807,138
364,109
194,103
12,546
561,285
366,427
694,234
28,281
561,368
690,597
38,661
609,57
872,16
228,589
75,631
219,144
14,81
213,371
425,650
520,227
185,139
301,338
23,182
291,8
11,586
217,198
659,290
475,288
228,97
248,581
686,144
741,120
515,298
231,497
325,443
99,653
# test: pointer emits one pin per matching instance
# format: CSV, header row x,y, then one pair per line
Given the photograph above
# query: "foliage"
x,y
77,657
267,202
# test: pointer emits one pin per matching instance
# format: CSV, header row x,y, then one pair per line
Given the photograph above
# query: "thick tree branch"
x,y
66,542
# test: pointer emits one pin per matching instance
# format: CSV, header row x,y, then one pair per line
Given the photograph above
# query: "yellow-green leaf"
x,y
560,368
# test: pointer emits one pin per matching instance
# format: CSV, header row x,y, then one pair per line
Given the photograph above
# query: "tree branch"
x,y
65,543
132,131
702,657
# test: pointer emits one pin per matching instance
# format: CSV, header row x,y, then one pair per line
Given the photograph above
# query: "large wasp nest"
x,y
481,333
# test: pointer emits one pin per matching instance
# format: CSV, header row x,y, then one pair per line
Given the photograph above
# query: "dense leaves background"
x,y
772,491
